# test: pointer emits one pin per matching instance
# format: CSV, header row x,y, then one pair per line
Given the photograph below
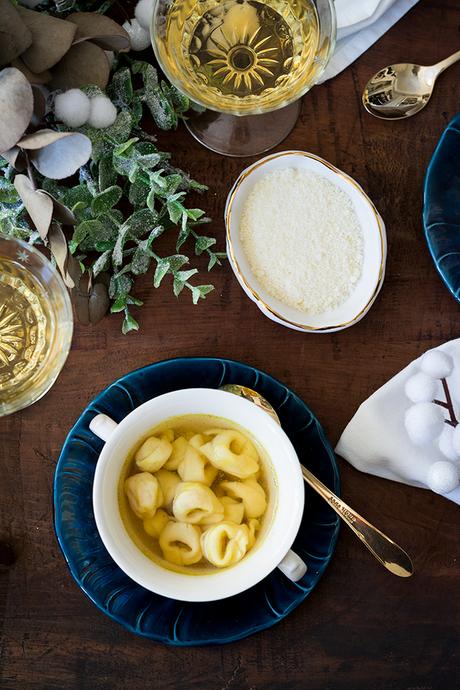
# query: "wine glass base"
x,y
249,135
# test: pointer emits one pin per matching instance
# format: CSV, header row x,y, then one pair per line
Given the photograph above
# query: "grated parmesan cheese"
x,y
303,239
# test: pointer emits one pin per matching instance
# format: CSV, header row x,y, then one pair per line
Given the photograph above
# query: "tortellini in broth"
x,y
195,495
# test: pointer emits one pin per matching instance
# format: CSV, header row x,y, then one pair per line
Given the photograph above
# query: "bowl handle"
x,y
293,566
103,426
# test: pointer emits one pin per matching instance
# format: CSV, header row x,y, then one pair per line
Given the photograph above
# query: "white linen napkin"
x,y
399,433
360,23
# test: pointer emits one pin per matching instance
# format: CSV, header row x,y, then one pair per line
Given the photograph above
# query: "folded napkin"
x,y
400,433
360,23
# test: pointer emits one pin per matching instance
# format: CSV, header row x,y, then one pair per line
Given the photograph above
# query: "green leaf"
x,y
138,193
175,211
141,222
107,174
148,72
119,304
161,270
133,300
117,255
120,89
183,236
200,292
126,146
203,243
102,263
195,213
129,324
8,193
140,263
120,284
105,200
81,232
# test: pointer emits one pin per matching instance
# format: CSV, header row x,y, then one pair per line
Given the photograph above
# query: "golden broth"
x,y
184,425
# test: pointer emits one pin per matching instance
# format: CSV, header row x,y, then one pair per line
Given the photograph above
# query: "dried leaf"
x,y
41,78
38,204
41,138
99,303
51,39
85,63
63,157
100,30
16,106
61,213
16,158
59,249
39,104
15,37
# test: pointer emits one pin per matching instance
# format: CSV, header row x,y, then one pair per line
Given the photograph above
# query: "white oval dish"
x,y
280,527
374,238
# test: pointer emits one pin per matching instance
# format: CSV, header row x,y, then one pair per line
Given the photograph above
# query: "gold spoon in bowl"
x,y
392,556
402,90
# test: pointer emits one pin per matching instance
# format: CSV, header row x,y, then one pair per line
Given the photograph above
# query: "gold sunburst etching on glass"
x,y
243,51
11,335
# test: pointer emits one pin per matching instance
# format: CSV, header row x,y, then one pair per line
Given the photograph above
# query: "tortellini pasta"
x,y
168,482
156,524
180,543
196,468
197,504
153,454
231,452
196,495
233,510
225,544
251,494
144,494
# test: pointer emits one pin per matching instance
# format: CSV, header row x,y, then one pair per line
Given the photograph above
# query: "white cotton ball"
x,y
138,36
102,112
437,364
424,422
443,477
446,443
72,107
421,388
144,12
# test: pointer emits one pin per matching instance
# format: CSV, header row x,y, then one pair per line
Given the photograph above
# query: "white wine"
x,y
239,56
27,327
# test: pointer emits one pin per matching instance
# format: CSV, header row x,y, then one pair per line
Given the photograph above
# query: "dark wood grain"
x,y
361,628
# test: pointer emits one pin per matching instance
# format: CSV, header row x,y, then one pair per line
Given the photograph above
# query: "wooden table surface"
x,y
361,628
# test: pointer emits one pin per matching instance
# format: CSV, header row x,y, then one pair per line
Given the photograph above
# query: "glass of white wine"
x,y
244,63
36,324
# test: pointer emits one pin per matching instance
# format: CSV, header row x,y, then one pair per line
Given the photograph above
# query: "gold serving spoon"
x,y
402,90
392,556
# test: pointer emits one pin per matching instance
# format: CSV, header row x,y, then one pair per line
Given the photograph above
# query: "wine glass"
x,y
244,64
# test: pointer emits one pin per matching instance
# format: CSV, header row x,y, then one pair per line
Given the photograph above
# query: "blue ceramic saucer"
x,y
148,614
441,211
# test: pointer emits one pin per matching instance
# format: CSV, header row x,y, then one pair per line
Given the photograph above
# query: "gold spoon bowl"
x,y
402,90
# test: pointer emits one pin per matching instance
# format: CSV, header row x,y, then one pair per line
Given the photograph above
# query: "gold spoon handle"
x,y
444,64
392,556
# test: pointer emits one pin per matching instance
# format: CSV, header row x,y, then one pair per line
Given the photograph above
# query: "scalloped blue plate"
x,y
441,211
148,614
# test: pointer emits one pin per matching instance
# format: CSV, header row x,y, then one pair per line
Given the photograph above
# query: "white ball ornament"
x,y
72,107
421,388
138,36
144,12
443,477
446,443
424,423
102,112
456,441
437,364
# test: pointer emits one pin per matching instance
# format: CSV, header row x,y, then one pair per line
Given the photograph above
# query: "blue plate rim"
x,y
119,619
426,183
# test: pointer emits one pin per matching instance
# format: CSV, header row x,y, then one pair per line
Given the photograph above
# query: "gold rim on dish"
x,y
257,298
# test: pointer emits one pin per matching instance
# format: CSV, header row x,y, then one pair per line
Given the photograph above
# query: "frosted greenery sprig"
x,y
127,195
